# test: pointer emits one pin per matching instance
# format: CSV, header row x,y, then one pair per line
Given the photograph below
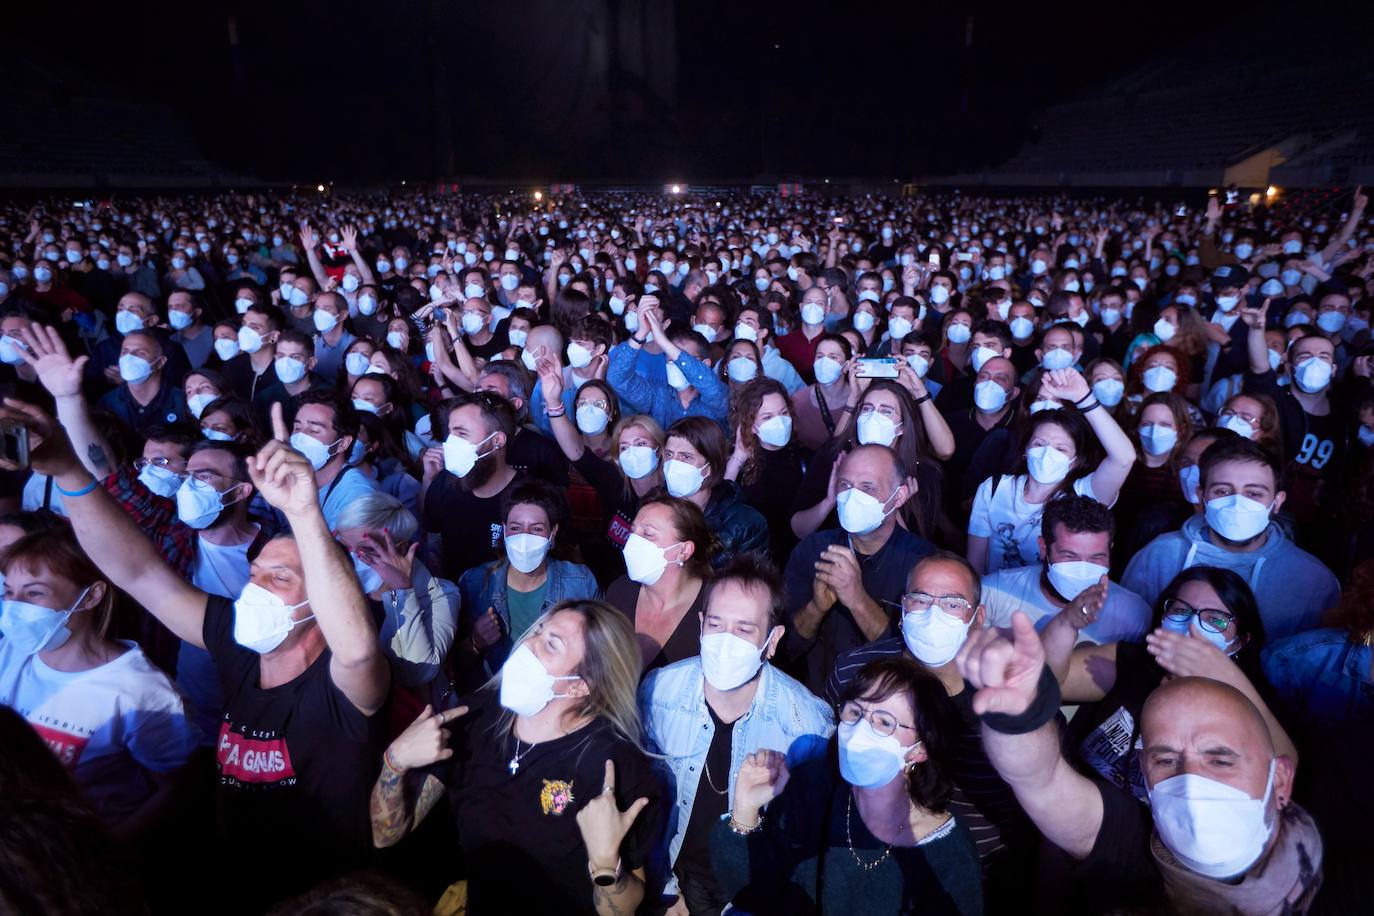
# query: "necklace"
x,y
849,836
514,764
710,782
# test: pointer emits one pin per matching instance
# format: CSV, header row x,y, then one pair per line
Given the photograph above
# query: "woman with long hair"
x,y
819,406
545,771
694,467
766,460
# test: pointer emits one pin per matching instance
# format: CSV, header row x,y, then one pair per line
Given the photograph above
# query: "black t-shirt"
x,y
1103,735
536,455
491,348
1120,871
685,640
296,765
772,490
711,801
519,831
469,526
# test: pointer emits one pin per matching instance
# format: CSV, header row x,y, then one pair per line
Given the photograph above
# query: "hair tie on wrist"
x,y
72,494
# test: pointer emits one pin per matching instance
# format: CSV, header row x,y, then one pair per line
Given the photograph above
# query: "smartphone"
x,y
881,367
1181,211
963,256
14,444
934,259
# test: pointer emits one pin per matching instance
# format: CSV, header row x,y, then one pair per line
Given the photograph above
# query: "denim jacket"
x,y
784,716
1322,678
484,587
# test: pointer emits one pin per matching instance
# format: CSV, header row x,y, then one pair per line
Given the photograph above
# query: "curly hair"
x,y
1135,378
744,411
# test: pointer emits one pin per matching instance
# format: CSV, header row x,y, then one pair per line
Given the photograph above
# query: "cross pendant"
x,y
514,765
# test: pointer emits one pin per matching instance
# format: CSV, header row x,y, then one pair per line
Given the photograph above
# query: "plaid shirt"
x,y
156,516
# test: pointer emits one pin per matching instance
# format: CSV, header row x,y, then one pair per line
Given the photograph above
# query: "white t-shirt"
x,y
110,725
1124,617
1011,524
35,488
221,569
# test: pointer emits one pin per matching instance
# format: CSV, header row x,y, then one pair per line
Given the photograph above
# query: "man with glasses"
x,y
941,607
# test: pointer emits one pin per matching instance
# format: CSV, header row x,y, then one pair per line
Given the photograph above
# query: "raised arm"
x,y
424,743
938,433
1069,385
1085,672
105,531
308,242
349,235
1256,346
1016,690
551,386
1337,244
287,481
47,354
445,348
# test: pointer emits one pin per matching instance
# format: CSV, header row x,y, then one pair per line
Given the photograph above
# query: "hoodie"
x,y
1292,587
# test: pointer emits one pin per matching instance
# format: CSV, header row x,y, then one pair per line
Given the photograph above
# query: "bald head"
x,y
1207,728
873,463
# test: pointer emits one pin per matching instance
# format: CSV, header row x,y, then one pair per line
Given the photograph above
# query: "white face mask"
x,y
367,305
645,561
898,327
727,660
1158,440
1312,374
1058,358
591,420
989,396
982,354
812,313
959,333
315,451
134,369
160,480
226,348
867,759
775,431
250,341
1047,464
127,322
859,512
1164,330
198,503
876,429
1238,425
826,369
863,321
289,370
1188,480
1214,829
262,620
356,363
1160,378
473,323
676,380
1236,517
579,357
1109,391
460,455
742,369
526,685
934,636
526,551
1072,578
32,628
682,479
396,340
198,402
638,461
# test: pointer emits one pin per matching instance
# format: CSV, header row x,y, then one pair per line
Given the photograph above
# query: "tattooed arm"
x,y
423,743
621,898
45,352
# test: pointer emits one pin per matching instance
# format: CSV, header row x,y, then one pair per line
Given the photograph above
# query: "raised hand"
x,y
603,825
762,777
1005,672
50,451
838,567
1361,201
550,377
45,351
1189,656
349,238
425,741
487,631
283,475
1084,610
1255,318
432,462
1065,385
390,563
308,237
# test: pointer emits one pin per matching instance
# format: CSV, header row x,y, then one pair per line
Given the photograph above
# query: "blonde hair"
x,y
610,667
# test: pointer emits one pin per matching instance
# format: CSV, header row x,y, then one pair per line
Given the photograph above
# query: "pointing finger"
x,y
279,423
609,781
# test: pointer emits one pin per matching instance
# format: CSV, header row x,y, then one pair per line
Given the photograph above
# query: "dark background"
x,y
701,90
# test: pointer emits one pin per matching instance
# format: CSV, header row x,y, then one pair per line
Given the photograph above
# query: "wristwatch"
x,y
604,878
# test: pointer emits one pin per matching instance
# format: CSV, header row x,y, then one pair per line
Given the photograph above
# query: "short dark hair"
x,y
345,414
751,571
291,335
1077,514
930,783
182,435
497,412
535,492
240,452
999,329
275,316
1238,449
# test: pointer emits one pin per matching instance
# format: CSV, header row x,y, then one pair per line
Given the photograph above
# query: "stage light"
x,y
1271,191
538,195
320,188
677,189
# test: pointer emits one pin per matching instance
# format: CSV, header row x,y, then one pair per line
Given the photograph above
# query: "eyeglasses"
x,y
890,412
205,475
1213,620
600,405
883,722
159,461
917,602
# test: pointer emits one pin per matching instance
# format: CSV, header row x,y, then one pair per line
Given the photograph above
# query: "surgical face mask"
x,y
742,369
262,620
289,369
860,513
1157,439
1072,578
396,340
1109,391
826,369
179,263
1160,378
1244,250
1022,327
988,396
1312,374
898,327
42,274
867,759
863,321
1047,464
996,272
645,561
1236,517
727,660
1038,266
761,284
676,380
297,297
128,322
1164,330
939,295
682,479
592,420
959,333
315,451
1058,358
473,323
32,628
982,354
775,431
198,402
526,685
1238,425
1188,480
460,455
226,348
1291,277
579,357
1215,830
632,321
876,429
178,319
934,636
919,364
250,341
1292,246
638,461
526,551
1226,303
134,369
812,313
1331,321
198,503
356,363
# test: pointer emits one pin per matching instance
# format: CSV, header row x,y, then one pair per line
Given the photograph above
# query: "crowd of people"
x,y
703,554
